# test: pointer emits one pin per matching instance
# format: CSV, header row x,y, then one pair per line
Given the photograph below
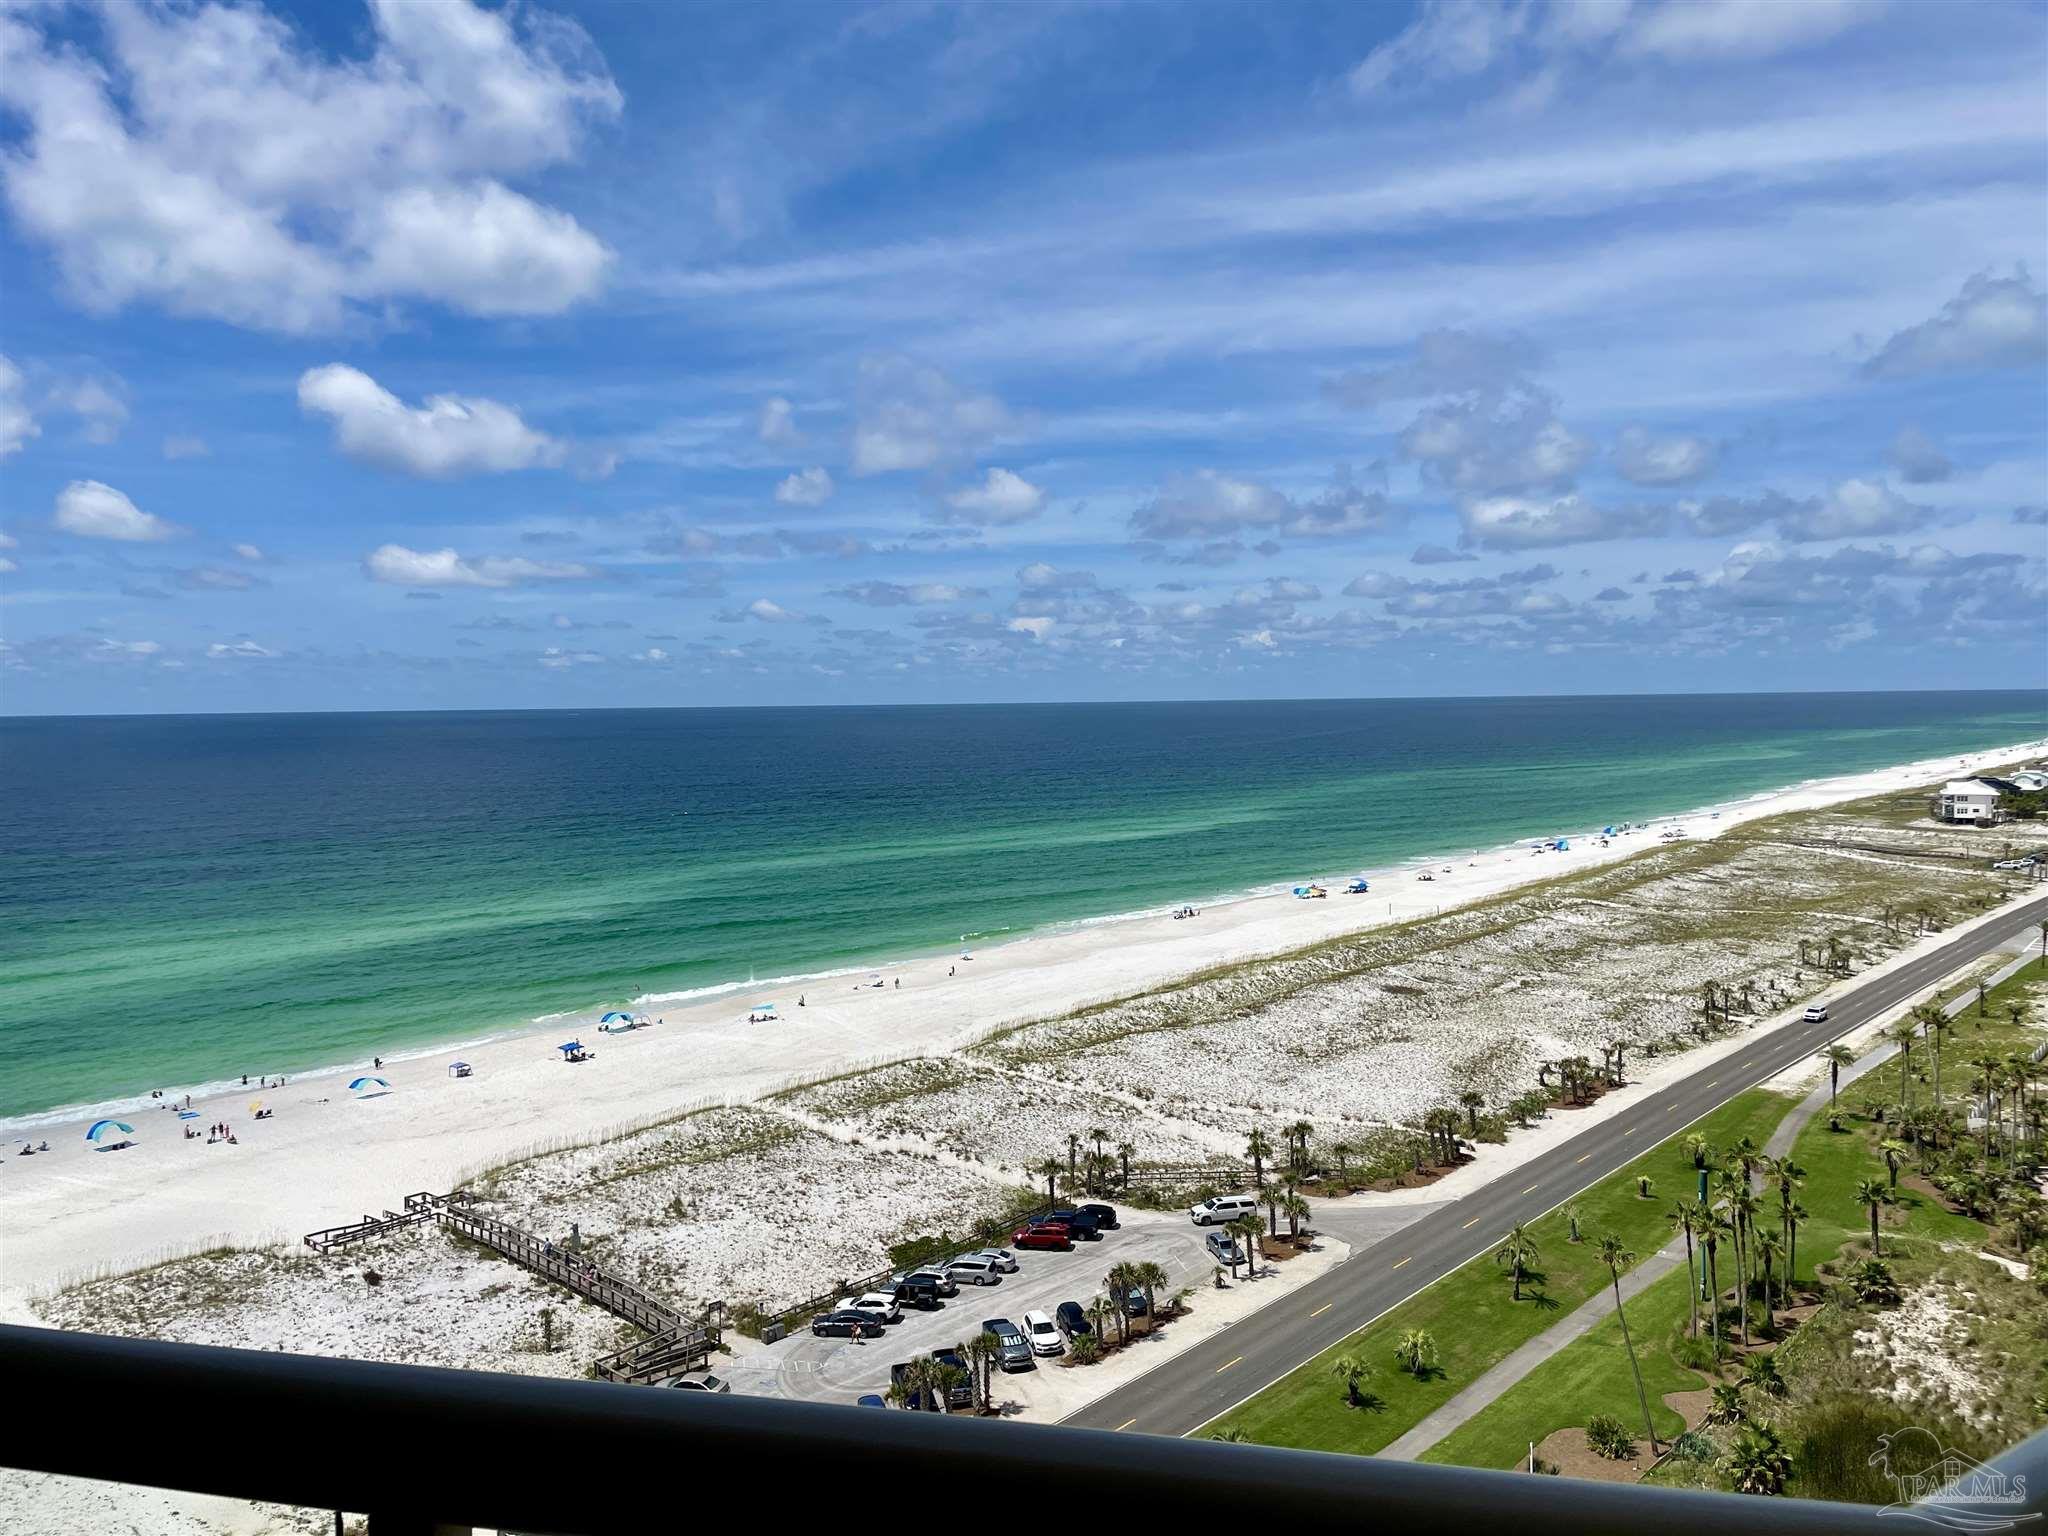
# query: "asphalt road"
x,y
1187,1391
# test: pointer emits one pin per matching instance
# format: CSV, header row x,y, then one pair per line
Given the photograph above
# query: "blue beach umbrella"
x,y
100,1128
363,1082
571,1045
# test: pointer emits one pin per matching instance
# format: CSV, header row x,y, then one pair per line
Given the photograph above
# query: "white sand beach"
x,y
327,1156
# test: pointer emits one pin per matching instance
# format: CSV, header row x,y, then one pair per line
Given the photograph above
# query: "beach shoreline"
x,y
327,1156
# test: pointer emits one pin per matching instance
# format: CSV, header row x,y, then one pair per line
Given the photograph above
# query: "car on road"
x,y
846,1324
1105,1216
1013,1351
1004,1260
1042,1237
974,1269
2026,863
876,1304
1220,1210
1044,1334
919,1291
701,1381
1816,1013
1068,1315
936,1273
1080,1226
1223,1248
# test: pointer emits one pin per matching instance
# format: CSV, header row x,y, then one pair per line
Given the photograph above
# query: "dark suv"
x,y
1079,1224
919,1291
1013,1353
1105,1216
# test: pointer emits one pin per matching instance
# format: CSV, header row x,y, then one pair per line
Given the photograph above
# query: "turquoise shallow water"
x,y
186,898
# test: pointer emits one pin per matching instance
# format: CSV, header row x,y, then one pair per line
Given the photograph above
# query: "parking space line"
x,y
1226,1365
1319,1311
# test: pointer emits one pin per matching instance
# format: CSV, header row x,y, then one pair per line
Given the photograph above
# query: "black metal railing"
x,y
420,1449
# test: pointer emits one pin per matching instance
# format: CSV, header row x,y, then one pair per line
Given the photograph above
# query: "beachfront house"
x,y
2031,780
1970,801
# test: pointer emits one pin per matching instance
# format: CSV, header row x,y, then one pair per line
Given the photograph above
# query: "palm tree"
x,y
1710,1236
1342,1151
1795,1218
1073,1157
1837,1056
1049,1170
1938,1024
1895,1152
1770,1247
1617,1258
1248,1232
1295,1209
1571,1219
1416,1351
1474,1101
1233,1437
1258,1149
1120,1282
1518,1252
1905,1032
1727,1406
1350,1370
1297,1142
943,1379
980,1354
1873,1194
1739,1202
1686,1215
1125,1151
1757,1463
1151,1277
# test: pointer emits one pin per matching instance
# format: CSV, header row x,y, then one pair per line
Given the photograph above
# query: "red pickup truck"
x,y
1048,1234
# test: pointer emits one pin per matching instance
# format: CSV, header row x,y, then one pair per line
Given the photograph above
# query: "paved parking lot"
x,y
839,1370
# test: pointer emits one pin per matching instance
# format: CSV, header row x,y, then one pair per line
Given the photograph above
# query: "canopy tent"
x,y
615,1014
1358,886
458,1069
569,1045
99,1129
367,1082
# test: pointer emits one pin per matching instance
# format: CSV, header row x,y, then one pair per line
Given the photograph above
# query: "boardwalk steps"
x,y
674,1343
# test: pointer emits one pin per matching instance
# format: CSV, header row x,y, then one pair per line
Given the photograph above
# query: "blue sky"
x,y
422,356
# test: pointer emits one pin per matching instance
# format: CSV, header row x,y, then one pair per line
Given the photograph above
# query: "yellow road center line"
x,y
1319,1311
1630,1131
1530,1190
1575,1160
1226,1365
1715,1083
1472,1223
1127,1423
1404,1261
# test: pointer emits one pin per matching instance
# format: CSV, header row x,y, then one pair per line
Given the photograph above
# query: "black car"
x,y
1070,1317
846,1325
1079,1224
1132,1301
1105,1216
1013,1352
919,1292
960,1395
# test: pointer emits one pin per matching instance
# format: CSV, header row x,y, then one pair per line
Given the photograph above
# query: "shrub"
x,y
1873,1284
1693,1446
1085,1350
1695,1354
1609,1437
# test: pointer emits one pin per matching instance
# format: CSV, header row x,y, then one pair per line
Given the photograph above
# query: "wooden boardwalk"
x,y
674,1343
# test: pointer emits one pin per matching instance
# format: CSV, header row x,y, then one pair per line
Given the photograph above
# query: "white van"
x,y
1223,1208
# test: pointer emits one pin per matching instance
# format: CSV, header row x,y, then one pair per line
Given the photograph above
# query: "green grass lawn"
x,y
1590,1375
1469,1312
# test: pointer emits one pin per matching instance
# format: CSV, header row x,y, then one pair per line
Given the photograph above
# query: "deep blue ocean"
x,y
184,898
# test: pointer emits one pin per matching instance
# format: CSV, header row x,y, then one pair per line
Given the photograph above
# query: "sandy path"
x,y
326,1156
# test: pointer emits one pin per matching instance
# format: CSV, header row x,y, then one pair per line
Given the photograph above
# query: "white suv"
x,y
1222,1208
1816,1013
877,1304
1044,1334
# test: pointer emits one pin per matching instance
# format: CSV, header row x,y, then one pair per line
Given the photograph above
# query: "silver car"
x,y
1002,1258
701,1381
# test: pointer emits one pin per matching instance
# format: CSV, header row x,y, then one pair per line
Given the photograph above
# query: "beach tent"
x,y
616,1015
458,1069
99,1128
1357,886
367,1082
255,1105
762,1007
565,1047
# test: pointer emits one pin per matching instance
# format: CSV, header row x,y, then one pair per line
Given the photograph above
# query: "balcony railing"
x,y
420,1449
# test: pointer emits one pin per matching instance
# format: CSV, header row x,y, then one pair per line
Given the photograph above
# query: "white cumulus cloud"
x,y
17,421
211,160
1003,497
92,510
397,566
449,435
1649,460
806,488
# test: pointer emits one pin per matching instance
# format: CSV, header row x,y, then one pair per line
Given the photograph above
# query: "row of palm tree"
x,y
1763,1243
